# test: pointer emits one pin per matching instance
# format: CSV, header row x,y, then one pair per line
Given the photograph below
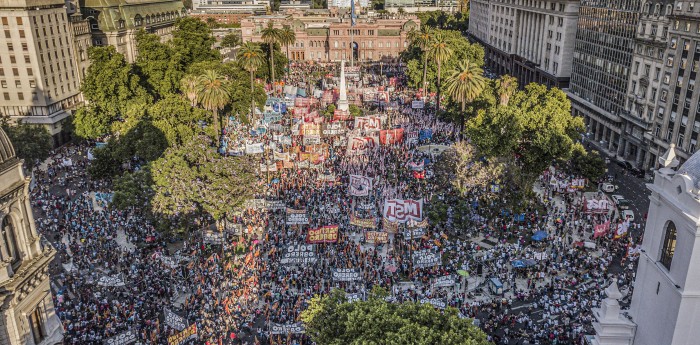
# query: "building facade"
x,y
116,22
601,68
230,6
39,80
665,304
531,40
27,315
644,86
328,36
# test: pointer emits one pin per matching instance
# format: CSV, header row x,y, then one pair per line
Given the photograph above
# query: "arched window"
x,y
669,245
669,8
646,8
10,240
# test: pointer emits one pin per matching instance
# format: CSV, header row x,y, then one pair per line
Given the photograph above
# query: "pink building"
x,y
324,36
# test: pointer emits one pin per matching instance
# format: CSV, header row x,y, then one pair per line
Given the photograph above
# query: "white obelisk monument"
x,y
343,101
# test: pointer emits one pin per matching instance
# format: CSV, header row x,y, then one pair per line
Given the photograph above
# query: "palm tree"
x,y
465,83
271,36
440,51
287,37
213,93
505,87
251,58
188,85
422,39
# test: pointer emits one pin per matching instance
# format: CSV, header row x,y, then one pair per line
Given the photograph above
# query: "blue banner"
x,y
425,134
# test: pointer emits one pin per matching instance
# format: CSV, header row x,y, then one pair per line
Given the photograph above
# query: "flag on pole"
x,y
352,13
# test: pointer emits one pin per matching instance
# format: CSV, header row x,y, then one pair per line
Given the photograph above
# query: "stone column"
x,y
612,139
599,131
638,159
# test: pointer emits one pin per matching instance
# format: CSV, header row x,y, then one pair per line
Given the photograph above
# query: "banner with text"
x,y
182,337
288,328
360,145
391,136
296,217
400,210
376,237
126,338
363,222
360,185
346,274
325,234
299,254
426,258
368,123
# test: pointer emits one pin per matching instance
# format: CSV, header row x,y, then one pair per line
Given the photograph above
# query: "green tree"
x,y
211,22
213,93
192,41
231,40
155,62
179,121
588,164
31,142
355,110
188,86
440,51
421,39
90,122
466,83
251,58
271,36
133,190
287,37
506,86
497,131
194,179
331,320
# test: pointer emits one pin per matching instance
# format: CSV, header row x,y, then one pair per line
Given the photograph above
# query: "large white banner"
x,y
360,185
401,211
368,123
253,148
360,145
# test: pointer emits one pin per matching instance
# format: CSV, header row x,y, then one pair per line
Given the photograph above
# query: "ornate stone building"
x,y
27,314
116,22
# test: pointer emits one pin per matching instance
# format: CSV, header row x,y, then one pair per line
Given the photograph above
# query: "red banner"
x,y
391,136
326,234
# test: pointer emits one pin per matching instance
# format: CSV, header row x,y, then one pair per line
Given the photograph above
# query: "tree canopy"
x,y
31,142
331,320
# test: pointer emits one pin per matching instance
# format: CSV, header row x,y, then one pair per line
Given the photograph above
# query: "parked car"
x,y
620,202
608,187
628,214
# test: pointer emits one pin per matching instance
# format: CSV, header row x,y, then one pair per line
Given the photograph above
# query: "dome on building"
x,y
691,168
7,151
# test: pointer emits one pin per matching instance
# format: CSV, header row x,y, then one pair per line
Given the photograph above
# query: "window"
x,y
636,67
669,245
36,322
20,96
19,20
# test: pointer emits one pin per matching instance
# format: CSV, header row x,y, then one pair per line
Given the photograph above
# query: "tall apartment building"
x,y
39,82
116,22
644,86
230,6
601,67
532,40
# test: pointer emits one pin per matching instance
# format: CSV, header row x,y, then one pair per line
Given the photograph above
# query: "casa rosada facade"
x,y
331,37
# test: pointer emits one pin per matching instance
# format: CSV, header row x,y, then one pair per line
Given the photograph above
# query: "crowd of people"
x,y
116,273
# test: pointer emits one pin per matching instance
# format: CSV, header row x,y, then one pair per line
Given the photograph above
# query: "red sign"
x,y
391,136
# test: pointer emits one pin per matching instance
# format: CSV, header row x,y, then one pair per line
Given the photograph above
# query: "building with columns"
x,y
327,35
532,40
27,315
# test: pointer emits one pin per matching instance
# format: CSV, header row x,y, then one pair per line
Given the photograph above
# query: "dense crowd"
x,y
118,273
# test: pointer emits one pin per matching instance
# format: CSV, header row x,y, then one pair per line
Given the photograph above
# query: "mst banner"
x,y
182,337
360,185
346,274
299,254
296,217
398,210
325,234
368,123
426,258
391,136
360,145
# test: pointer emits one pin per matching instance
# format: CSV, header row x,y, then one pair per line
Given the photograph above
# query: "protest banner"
x,y
125,338
354,297
311,140
413,166
296,217
233,228
426,258
340,115
368,123
324,234
333,128
346,274
411,234
281,156
254,203
288,328
173,320
376,237
274,205
403,210
390,227
311,129
425,134
299,254
254,148
111,281
360,185
213,237
272,167
327,177
444,281
417,104
390,136
435,302
363,222
168,261
413,224
412,137
182,337
365,206
360,145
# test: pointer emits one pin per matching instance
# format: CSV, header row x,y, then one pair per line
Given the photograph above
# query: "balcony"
x,y
636,120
